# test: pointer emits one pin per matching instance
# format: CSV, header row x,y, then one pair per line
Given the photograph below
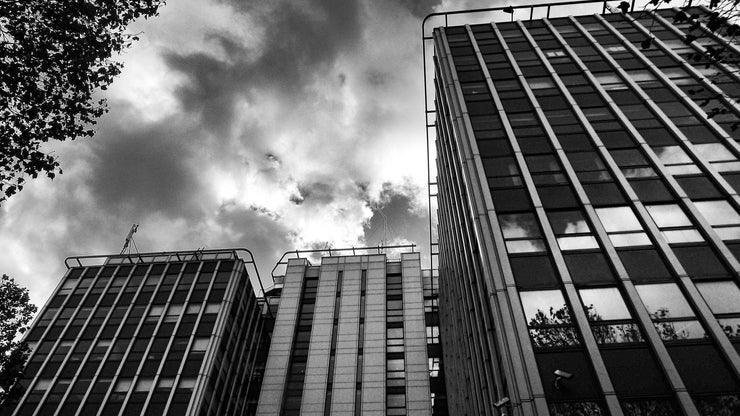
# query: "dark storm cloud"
x,y
299,40
144,168
394,217
253,230
317,193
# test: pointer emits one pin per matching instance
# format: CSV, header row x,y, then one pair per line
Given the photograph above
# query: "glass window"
x,y
122,385
604,304
671,155
568,222
722,297
200,344
548,318
522,233
671,314
144,384
668,216
549,301
714,152
718,212
617,219
212,307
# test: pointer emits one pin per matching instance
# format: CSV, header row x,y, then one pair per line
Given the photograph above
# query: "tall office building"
x,y
589,232
351,338
173,333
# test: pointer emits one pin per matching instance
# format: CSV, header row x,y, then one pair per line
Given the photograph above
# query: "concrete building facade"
x,y
350,338
169,333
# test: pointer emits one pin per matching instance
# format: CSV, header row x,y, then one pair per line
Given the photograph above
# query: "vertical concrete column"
x,y
343,396
417,367
314,387
373,370
276,370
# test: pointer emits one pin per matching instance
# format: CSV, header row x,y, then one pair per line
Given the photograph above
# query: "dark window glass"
x,y
623,364
651,190
507,200
532,272
698,187
574,362
588,268
644,265
700,261
554,197
604,193
708,375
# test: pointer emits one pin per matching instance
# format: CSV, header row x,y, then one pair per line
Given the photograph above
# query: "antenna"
x,y
129,238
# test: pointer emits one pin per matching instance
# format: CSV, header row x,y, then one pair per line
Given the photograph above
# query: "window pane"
x,y
618,219
722,297
668,216
682,236
519,226
577,243
544,307
664,300
672,154
728,233
629,239
714,152
525,246
718,212
604,304
570,222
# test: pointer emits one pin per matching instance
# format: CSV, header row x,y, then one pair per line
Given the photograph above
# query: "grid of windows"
x,y
133,339
602,160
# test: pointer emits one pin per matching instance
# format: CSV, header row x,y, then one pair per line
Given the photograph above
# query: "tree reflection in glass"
x,y
549,319
607,305
671,314
576,409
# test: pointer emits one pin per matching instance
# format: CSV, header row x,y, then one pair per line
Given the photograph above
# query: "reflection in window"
x,y
521,232
572,230
652,407
676,161
610,320
576,408
674,224
622,226
671,314
548,318
722,217
718,155
723,298
718,405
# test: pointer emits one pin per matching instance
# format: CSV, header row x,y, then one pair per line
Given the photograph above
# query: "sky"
x,y
275,126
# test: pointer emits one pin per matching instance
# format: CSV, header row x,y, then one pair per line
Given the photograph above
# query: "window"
x,y
122,385
144,384
623,227
200,344
186,383
723,298
611,322
548,319
434,366
522,233
676,161
718,155
674,224
722,217
671,314
572,230
212,307
433,334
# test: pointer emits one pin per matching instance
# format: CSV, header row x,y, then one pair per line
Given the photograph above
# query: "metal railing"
x,y
336,252
172,256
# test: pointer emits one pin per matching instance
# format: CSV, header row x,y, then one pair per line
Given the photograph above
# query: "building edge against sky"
x,y
588,217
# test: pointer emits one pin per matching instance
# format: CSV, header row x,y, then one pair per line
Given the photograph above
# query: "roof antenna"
x,y
129,238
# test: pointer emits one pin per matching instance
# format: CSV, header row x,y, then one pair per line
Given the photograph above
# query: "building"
x,y
351,337
589,234
172,333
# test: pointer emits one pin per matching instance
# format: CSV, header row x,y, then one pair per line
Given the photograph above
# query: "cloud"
x,y
269,125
